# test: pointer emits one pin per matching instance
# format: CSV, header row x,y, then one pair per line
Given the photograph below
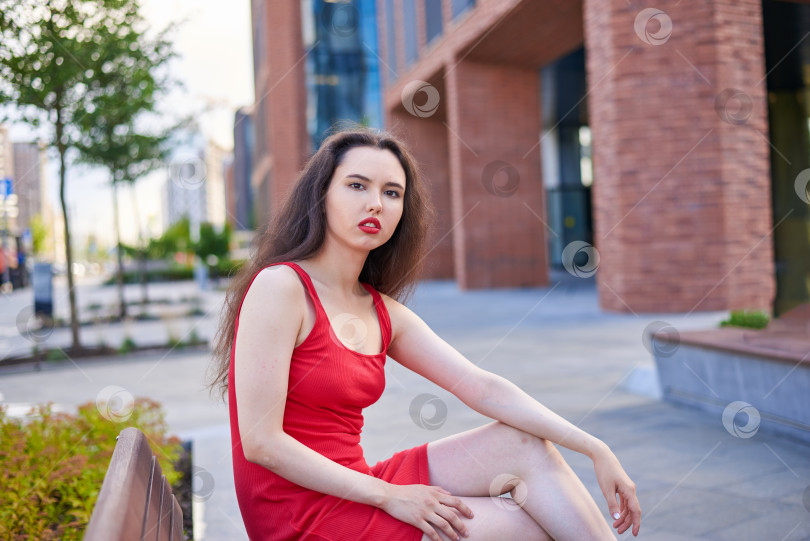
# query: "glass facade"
x,y
409,27
460,6
391,41
566,152
787,64
433,19
342,71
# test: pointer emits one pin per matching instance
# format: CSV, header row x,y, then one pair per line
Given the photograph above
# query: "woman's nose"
x,y
374,203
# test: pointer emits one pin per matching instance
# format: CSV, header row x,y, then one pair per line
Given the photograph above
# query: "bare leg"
x,y
497,458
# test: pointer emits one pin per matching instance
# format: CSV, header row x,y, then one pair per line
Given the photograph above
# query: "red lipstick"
x,y
370,225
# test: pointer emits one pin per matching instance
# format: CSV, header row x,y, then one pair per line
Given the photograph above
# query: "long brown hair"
x,y
298,231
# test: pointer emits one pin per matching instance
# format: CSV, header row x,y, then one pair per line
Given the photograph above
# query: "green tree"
x,y
57,60
40,235
176,238
109,132
110,140
213,242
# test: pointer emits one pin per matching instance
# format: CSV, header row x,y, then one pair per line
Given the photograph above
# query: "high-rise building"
x,y
185,188
29,182
241,201
195,187
215,184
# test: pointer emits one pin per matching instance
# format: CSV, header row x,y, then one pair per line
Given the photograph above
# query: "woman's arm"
x,y
417,347
270,320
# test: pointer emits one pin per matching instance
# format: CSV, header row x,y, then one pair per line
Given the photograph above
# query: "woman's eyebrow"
x,y
389,183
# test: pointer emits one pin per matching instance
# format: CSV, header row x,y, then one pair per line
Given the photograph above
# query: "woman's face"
x,y
365,198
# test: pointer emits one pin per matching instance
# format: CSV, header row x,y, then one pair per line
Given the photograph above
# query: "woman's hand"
x,y
613,480
427,507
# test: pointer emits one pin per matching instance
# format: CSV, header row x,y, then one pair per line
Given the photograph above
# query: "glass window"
x,y
391,40
460,6
409,24
433,18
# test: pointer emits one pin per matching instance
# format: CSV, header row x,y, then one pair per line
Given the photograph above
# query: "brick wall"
x,y
682,180
282,145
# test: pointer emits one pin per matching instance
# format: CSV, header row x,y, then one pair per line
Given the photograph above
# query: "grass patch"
x,y
750,319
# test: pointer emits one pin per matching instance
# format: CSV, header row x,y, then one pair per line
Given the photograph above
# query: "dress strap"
x,y
308,284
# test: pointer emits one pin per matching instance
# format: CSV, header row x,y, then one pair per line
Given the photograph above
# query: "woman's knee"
x,y
528,446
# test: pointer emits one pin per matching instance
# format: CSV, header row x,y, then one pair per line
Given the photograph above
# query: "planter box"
x,y
723,371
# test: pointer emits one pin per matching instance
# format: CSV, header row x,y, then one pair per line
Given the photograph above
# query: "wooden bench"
x,y
135,502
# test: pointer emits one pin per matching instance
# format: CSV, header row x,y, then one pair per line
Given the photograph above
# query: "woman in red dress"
x,y
317,312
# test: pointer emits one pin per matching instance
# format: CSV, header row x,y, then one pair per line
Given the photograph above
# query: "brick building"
x,y
663,144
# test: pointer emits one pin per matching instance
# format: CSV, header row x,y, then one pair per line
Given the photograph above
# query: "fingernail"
x,y
616,516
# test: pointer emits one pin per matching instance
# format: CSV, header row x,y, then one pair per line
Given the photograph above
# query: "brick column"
x,y
282,88
493,127
427,141
681,191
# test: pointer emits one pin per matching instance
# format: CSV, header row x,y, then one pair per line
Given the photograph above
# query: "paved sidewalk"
x,y
171,320
695,480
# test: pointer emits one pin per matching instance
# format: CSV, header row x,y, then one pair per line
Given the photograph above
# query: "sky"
x,y
215,65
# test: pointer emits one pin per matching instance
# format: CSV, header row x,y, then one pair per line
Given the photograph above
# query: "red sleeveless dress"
x,y
329,385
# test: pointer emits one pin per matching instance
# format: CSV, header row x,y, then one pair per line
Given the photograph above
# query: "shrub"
x,y
53,466
127,346
56,354
742,318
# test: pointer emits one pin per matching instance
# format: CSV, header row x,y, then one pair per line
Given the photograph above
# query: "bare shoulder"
x,y
276,288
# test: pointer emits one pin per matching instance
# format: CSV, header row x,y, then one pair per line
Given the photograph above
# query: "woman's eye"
x,y
393,193
356,185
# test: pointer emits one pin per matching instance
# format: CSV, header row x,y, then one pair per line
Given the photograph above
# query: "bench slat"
x,y
165,519
177,520
135,502
151,521
120,506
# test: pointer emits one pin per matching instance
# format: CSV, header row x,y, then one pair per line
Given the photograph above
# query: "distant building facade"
x,y
215,157
185,193
241,200
29,182
195,187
